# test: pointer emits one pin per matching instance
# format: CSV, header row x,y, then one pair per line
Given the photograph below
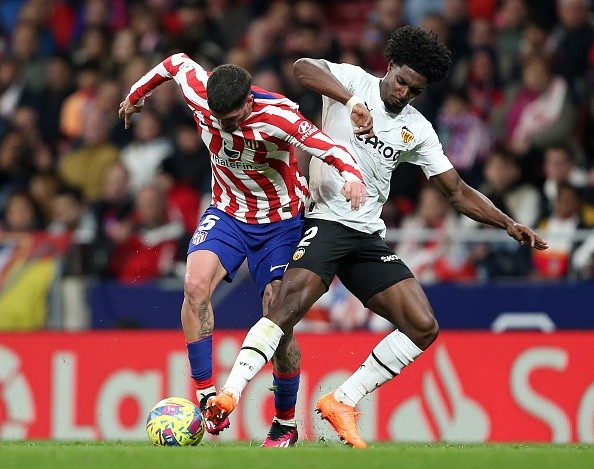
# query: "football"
x,y
175,421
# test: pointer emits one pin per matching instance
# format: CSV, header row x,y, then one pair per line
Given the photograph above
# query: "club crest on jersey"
x,y
298,254
407,135
251,144
306,129
231,153
199,236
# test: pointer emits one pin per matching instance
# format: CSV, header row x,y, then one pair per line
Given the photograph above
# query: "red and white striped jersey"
x,y
256,178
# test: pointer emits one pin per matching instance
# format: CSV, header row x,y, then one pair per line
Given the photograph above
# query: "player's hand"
x,y
525,235
362,120
126,111
354,192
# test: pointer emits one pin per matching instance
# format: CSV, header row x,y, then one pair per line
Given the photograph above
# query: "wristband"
x,y
352,101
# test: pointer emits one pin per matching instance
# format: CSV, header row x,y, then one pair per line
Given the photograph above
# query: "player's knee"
x,y
197,289
427,330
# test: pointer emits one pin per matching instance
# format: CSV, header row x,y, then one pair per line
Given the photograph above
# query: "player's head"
x,y
229,97
415,59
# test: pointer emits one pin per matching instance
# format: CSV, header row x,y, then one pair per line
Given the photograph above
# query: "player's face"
x,y
400,86
232,120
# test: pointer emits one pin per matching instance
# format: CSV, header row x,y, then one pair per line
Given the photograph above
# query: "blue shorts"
x,y
267,247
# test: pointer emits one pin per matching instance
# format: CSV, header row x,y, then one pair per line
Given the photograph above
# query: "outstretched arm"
x,y
159,74
316,75
477,206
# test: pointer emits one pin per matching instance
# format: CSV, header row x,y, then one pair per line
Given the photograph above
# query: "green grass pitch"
x,y
65,455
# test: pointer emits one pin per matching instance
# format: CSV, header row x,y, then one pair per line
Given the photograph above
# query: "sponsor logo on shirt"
x,y
390,258
306,129
407,135
298,254
230,152
251,144
386,151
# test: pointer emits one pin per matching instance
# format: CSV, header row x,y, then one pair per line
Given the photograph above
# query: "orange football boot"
x,y
342,418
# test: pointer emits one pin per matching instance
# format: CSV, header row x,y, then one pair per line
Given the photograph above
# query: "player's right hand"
x,y
126,111
362,120
354,192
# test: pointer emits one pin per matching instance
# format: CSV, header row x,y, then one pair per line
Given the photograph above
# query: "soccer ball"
x,y
175,421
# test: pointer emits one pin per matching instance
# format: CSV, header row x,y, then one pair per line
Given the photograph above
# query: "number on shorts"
x,y
310,233
208,222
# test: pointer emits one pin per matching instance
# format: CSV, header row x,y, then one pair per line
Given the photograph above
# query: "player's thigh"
x,y
406,306
372,268
322,248
269,249
220,235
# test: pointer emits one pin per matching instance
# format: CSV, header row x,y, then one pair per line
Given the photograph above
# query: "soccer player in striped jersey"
x,y
258,197
373,118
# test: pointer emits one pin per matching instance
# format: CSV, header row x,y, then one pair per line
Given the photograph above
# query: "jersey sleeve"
x,y
353,78
167,70
429,155
300,132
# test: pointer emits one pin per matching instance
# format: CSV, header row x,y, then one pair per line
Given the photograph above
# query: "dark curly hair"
x,y
227,88
421,51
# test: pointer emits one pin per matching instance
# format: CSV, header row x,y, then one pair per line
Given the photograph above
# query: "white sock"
x,y
387,360
257,349
202,393
286,423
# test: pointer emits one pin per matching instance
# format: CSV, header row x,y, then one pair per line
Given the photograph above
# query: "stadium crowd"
x,y
515,116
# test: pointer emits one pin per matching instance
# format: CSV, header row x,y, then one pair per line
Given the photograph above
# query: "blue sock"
x,y
285,387
200,356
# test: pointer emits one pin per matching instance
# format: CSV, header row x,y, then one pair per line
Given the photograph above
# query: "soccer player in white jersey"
x,y
373,118
258,196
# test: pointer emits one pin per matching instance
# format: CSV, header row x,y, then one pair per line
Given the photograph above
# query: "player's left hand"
x,y
362,121
126,111
354,192
525,235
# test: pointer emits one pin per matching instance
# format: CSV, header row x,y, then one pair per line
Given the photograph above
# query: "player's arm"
x,y
317,76
164,71
290,126
477,206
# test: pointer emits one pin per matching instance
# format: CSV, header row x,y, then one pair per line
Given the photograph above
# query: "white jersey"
x,y
404,137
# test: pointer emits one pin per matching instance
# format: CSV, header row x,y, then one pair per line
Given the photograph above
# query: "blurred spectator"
x,y
96,152
16,165
77,105
190,160
480,76
21,214
539,112
56,86
559,230
180,196
12,88
416,11
510,21
113,213
43,187
506,189
465,138
71,215
571,43
582,259
24,48
149,148
559,167
231,18
149,251
439,258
